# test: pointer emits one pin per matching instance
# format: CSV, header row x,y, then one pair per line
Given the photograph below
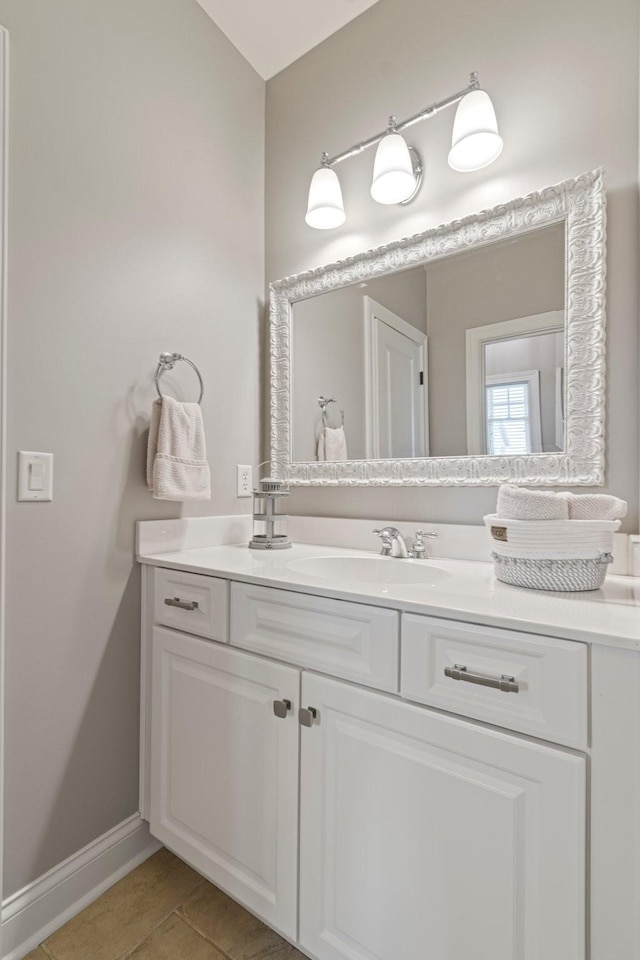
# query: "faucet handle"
x,y
419,547
420,535
385,536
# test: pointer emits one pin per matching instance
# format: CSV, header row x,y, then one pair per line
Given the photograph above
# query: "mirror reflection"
x,y
461,356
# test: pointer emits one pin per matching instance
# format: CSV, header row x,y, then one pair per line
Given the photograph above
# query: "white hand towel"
x,y
517,503
595,506
177,467
152,443
332,444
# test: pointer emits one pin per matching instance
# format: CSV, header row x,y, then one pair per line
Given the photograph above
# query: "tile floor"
x,y
164,910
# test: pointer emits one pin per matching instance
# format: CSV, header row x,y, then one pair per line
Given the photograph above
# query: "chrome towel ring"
x,y
168,361
323,403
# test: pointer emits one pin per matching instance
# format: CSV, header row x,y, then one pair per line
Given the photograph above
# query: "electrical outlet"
x,y
244,486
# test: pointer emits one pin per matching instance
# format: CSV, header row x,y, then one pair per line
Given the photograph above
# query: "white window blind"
x,y
508,410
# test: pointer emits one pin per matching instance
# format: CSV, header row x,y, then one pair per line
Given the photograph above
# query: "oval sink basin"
x,y
371,570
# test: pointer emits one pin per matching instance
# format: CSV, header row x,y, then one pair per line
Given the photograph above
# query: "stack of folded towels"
x,y
516,503
533,524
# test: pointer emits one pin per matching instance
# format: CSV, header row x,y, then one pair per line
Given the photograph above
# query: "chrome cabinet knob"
x,y
281,708
307,715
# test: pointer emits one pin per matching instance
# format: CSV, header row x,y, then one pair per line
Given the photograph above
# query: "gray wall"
x,y
136,226
564,80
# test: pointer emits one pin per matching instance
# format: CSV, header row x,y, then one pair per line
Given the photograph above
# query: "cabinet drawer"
x,y
550,677
196,604
348,640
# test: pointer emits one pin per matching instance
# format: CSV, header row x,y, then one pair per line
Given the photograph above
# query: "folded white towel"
x,y
594,506
177,467
517,503
332,444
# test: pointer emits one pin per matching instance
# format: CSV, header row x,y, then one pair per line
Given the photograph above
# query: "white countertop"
x,y
469,592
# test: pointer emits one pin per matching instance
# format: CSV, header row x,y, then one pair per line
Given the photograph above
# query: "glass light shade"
x,y
475,142
393,176
325,209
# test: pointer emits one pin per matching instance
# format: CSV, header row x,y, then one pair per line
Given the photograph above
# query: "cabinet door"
x,y
424,836
224,770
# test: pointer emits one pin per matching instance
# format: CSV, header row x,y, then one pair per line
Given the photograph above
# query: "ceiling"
x,y
271,34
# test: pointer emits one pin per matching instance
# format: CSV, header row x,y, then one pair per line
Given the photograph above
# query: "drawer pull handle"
x,y
183,604
281,708
504,683
306,716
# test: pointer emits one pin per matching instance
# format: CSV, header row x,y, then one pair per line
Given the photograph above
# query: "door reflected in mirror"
x,y
463,355
396,399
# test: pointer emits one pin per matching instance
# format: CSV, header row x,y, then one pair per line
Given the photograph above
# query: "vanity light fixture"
x,y
475,142
398,167
326,208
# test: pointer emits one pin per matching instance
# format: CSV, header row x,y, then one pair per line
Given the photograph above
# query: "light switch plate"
x,y
35,475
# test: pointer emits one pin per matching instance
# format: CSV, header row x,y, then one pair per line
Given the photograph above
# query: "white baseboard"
x,y
38,910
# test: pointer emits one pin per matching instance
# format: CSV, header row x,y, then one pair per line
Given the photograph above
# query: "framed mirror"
x,y
473,353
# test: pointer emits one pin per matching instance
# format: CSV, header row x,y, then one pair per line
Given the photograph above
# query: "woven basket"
x,y
559,575
563,555
549,538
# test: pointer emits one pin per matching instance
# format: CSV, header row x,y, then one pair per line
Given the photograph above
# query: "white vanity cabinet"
x,y
224,769
422,835
426,817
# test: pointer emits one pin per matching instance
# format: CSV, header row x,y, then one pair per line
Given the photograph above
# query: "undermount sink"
x,y
378,570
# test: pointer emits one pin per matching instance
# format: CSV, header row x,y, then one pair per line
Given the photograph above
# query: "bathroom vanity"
x,y
392,759
396,759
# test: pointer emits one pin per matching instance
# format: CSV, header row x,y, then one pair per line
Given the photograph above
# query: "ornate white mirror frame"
x,y
581,204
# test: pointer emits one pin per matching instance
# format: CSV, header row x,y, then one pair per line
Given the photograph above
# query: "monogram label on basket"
x,y
499,533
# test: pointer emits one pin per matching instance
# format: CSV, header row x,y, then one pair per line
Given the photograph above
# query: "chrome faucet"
x,y
394,544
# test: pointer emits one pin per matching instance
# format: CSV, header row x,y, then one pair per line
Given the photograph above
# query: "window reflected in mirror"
x,y
521,396
510,408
